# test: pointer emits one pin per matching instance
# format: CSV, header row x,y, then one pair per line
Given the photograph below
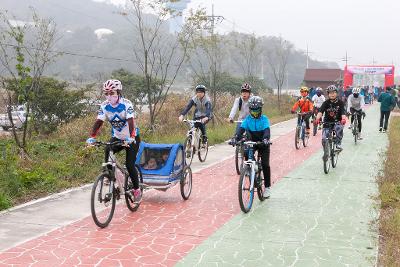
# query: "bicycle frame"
x,y
254,164
194,132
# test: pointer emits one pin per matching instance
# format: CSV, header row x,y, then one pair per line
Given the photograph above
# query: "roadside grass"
x,y
389,186
61,160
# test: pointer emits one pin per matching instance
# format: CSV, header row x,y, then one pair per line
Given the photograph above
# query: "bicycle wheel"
x,y
102,201
315,129
188,149
186,183
305,137
260,186
325,157
334,156
128,186
203,150
297,138
246,193
238,158
355,131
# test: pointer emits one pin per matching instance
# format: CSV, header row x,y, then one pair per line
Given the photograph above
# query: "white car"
x,y
18,114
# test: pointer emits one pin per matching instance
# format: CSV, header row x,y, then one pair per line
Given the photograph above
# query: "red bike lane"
x,y
164,229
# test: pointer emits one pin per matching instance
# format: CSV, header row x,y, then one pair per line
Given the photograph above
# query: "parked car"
x,y
18,114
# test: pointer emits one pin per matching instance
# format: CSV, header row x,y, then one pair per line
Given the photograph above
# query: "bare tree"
x,y
25,52
277,57
206,56
248,49
160,55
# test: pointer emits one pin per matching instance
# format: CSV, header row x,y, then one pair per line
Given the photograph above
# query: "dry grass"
x,y
389,186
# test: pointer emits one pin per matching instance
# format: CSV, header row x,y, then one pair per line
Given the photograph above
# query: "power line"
x,y
70,53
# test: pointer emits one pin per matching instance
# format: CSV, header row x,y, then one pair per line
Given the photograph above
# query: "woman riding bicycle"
x,y
119,112
257,128
305,105
202,111
333,111
355,103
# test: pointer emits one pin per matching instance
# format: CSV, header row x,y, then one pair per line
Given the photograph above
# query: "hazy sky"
x,y
366,29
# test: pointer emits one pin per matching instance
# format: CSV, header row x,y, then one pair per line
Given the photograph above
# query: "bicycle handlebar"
x,y
252,143
118,142
303,113
192,121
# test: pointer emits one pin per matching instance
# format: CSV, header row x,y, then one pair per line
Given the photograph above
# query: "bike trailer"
x,y
160,164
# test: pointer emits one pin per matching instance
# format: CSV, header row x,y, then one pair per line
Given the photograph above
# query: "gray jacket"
x,y
203,107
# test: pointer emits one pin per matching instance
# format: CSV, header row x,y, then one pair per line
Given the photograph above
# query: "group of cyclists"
x,y
252,125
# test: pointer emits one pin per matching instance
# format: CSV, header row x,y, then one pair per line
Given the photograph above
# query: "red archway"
x,y
350,70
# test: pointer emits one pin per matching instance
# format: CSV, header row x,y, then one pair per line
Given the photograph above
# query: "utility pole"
x,y
308,56
346,58
213,68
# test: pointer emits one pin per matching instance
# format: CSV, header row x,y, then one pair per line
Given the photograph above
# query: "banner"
x,y
370,70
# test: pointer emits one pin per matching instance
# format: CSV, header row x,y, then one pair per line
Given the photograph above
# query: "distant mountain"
x,y
77,21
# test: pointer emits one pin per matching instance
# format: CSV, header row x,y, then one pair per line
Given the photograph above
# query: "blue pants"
x,y
339,133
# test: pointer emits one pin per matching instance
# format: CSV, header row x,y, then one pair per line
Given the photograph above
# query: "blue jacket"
x,y
257,129
388,102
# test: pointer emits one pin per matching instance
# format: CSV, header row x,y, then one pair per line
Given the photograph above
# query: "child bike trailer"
x,y
163,166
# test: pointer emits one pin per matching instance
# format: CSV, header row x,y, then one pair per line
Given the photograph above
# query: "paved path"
x,y
311,218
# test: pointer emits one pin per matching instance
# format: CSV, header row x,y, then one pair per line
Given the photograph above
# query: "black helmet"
x,y
331,88
246,88
255,106
200,88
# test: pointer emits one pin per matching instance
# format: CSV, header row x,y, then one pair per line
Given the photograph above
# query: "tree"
x,y
248,50
160,55
277,58
54,104
23,61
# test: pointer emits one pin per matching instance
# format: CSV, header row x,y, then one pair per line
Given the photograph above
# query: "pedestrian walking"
x,y
388,103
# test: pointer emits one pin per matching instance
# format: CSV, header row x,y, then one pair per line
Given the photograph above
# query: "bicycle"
x,y
331,154
194,143
250,177
113,182
316,127
300,134
239,153
354,125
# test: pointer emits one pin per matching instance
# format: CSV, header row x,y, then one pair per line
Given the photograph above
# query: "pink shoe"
x,y
137,194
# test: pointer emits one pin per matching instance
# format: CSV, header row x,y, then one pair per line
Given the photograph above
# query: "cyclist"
x,y
257,128
305,105
241,104
356,103
318,99
202,110
119,112
333,111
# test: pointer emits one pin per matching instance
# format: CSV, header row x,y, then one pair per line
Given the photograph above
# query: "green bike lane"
x,y
312,219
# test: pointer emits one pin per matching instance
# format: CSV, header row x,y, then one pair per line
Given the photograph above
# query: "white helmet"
x,y
356,90
112,85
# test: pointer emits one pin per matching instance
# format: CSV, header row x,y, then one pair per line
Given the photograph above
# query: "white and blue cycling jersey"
x,y
117,116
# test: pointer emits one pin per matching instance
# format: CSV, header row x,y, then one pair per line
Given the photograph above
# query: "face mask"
x,y
355,95
255,113
113,99
318,94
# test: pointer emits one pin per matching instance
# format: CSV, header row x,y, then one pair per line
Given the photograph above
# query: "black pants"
x,y
352,111
131,153
264,152
201,126
384,116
